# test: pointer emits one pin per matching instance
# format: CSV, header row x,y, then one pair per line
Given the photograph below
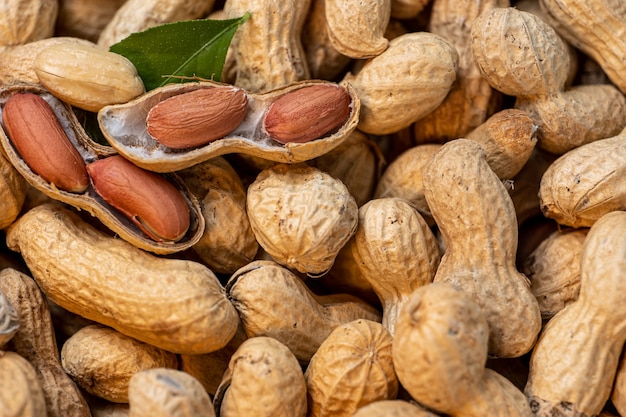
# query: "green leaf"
x,y
180,51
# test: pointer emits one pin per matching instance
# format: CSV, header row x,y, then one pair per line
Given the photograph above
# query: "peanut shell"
x,y
301,216
263,379
24,21
163,302
9,320
353,367
12,192
89,200
20,391
125,129
102,361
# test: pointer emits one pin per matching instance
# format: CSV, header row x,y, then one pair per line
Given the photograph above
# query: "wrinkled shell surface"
x,y
124,126
24,21
301,216
404,83
263,378
161,392
173,304
102,361
12,192
352,368
89,200
20,391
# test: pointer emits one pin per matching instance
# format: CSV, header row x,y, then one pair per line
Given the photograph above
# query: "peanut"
x,y
595,29
138,15
559,372
12,193
268,48
351,368
20,391
33,126
163,302
85,19
228,242
358,162
35,341
124,127
307,241
9,320
162,392
521,55
404,83
439,353
156,206
471,99
291,312
87,77
102,361
554,270
24,21
263,379
477,220
357,29
586,183
396,252
198,117
396,408
307,113
323,60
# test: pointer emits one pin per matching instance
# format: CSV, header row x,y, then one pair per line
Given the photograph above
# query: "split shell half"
x,y
124,126
89,200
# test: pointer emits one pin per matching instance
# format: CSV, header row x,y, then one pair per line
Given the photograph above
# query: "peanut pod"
x,y
89,200
124,126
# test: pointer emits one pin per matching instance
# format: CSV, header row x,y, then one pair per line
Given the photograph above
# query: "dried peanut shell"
x,y
20,391
124,126
89,200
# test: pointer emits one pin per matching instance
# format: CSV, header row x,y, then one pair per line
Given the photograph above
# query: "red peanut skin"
x,y
147,199
37,134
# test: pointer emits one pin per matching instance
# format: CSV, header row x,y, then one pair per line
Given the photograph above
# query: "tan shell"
x,y
12,193
518,53
471,99
173,304
357,162
228,242
395,408
35,340
162,392
20,391
323,60
89,200
9,320
596,28
17,62
85,19
301,216
102,361
125,129
508,137
404,83
352,368
618,394
585,183
268,49
396,251
290,312
87,77
554,270
357,30
403,178
594,327
476,217
137,15
263,379
440,347
24,21
407,9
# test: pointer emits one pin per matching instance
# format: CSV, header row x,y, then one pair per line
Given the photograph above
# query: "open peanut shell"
x,y
124,126
89,200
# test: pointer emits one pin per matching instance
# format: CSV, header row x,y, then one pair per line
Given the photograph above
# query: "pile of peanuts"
x,y
382,208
